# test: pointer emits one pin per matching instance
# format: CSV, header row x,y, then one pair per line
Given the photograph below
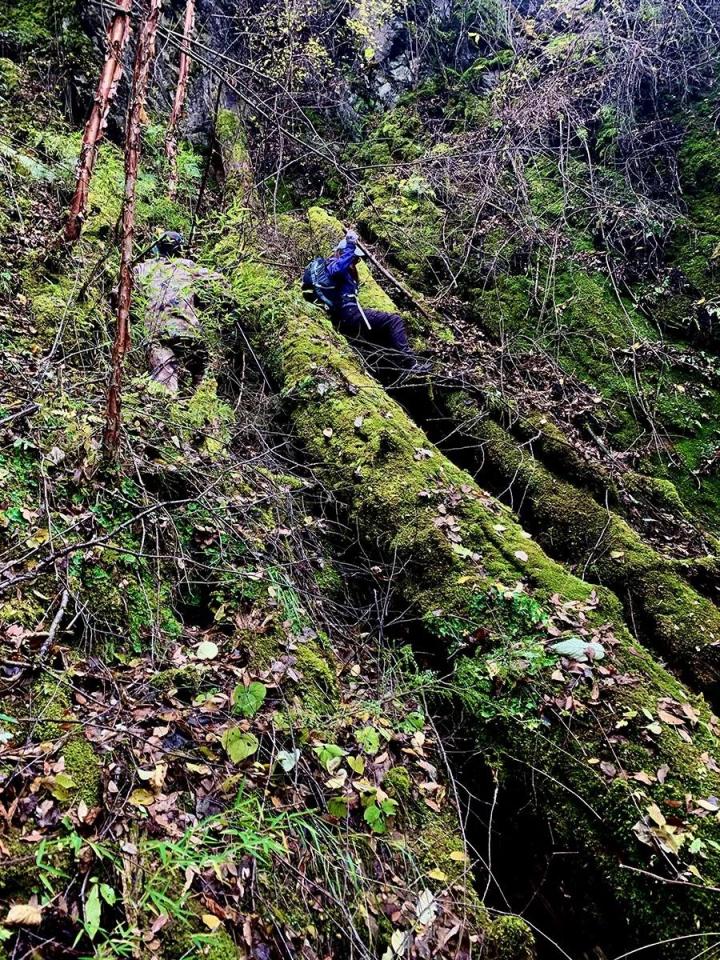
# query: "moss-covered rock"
x,y
83,765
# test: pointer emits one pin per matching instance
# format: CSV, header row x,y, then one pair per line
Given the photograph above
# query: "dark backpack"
x,y
318,286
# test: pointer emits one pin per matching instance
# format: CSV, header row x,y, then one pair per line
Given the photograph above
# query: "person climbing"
x,y
350,318
166,283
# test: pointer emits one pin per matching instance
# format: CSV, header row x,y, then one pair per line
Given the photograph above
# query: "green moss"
x,y
181,942
328,579
83,765
397,783
439,846
509,938
410,225
318,688
50,707
227,125
391,135
10,74
183,682
25,866
25,611
205,416
680,623
218,946
394,498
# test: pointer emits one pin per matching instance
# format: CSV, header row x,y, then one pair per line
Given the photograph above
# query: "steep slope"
x,y
289,678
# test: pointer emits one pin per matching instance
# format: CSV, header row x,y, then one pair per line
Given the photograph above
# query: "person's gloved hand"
x,y
351,236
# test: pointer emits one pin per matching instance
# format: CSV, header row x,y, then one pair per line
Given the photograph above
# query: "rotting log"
x,y
179,100
144,56
117,37
593,735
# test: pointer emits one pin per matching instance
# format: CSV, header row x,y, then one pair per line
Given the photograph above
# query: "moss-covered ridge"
x,y
452,547
675,620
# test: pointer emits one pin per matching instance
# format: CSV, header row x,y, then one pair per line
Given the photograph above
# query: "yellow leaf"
x,y
141,798
458,856
211,921
437,874
656,814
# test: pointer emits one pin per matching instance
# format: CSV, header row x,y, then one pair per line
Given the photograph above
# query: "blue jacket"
x,y
344,275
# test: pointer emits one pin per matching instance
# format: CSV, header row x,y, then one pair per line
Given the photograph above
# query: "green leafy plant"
x,y
239,745
378,812
248,700
368,740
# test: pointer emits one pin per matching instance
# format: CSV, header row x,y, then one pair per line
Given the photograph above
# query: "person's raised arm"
x,y
341,263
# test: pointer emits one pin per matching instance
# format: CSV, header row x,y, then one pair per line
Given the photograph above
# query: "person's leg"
x,y
349,322
388,329
163,366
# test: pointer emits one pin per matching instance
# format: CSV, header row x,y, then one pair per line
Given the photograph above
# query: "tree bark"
x,y
144,55
117,37
179,102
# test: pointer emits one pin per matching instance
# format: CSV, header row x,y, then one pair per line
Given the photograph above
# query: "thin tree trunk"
x,y
144,55
178,105
117,37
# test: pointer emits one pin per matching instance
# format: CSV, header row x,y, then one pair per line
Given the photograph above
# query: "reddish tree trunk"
x,y
117,37
144,55
179,102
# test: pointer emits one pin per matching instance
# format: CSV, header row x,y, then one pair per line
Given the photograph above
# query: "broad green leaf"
x,y
108,893
239,745
338,807
368,740
374,817
327,752
413,722
93,910
357,765
248,700
63,785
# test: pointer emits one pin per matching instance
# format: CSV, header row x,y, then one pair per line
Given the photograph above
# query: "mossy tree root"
x,y
572,526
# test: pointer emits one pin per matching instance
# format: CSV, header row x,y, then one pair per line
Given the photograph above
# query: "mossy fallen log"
x,y
676,621
594,733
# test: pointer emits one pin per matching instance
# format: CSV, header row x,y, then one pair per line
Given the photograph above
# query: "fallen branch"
x,y
55,625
